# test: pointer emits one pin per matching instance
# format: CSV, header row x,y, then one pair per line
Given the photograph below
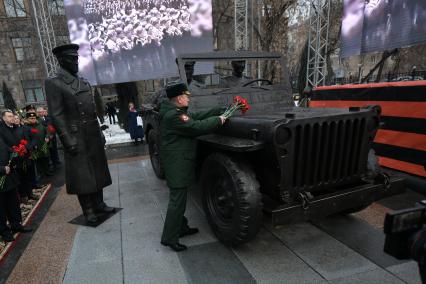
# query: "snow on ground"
x,y
114,134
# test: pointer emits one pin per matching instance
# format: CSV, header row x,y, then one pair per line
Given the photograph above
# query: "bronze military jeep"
x,y
291,163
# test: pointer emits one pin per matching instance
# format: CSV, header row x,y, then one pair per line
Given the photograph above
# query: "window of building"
x,y
23,49
56,7
62,39
14,8
33,91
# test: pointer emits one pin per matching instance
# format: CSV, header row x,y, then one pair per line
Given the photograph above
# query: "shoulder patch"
x,y
184,118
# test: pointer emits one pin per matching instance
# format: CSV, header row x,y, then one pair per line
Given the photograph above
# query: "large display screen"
x,y
130,40
377,25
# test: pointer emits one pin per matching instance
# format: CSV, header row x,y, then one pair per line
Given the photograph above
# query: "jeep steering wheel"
x,y
257,80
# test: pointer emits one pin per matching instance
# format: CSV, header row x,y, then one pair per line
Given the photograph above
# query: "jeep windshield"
x,y
218,72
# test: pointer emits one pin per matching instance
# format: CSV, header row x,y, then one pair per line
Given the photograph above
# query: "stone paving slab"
x,y
126,248
373,276
408,272
327,256
214,263
359,236
270,261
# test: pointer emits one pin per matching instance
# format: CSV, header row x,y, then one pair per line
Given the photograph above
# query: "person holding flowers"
x,y
26,170
40,153
179,128
10,149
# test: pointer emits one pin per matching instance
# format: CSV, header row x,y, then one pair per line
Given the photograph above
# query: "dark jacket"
x,y
72,108
12,180
134,130
178,147
10,135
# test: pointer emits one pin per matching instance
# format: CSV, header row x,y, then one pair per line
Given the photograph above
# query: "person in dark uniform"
x,y
111,111
178,154
41,151
237,78
72,108
9,202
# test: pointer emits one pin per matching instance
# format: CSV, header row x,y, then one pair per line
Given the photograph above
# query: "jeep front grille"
x,y
328,153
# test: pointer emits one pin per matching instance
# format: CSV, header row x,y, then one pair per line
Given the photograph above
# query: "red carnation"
x,y
51,129
23,142
34,130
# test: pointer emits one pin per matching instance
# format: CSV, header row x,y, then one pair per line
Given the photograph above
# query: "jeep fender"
x,y
232,144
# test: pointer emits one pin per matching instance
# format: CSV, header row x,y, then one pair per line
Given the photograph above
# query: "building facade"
x,y
21,59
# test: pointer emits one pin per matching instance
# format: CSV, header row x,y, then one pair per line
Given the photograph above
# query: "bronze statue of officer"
x,y
72,107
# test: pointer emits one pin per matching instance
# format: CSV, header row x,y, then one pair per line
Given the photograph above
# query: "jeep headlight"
x,y
282,135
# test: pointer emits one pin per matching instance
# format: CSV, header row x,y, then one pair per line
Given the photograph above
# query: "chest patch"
x,y
184,118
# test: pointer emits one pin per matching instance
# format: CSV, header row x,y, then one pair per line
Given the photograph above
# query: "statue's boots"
x,y
100,205
103,208
89,211
90,216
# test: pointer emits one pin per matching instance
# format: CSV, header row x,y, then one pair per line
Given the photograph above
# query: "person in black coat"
x,y
111,111
9,202
136,131
26,171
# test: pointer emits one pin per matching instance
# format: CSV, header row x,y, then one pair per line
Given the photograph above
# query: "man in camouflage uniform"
x,y
178,155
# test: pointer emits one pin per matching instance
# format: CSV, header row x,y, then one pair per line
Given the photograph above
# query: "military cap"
x,y
30,114
66,49
177,89
29,107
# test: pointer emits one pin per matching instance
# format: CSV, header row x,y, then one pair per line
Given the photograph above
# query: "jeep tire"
x,y
154,153
231,199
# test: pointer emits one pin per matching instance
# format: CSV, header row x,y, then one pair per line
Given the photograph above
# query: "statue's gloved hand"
x,y
72,150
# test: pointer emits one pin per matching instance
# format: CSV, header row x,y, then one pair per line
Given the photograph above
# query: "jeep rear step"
x,y
325,205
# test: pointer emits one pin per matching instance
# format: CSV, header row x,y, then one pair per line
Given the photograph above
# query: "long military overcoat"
x,y
72,108
178,147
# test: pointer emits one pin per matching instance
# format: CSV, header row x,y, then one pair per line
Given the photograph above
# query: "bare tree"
x,y
273,33
222,16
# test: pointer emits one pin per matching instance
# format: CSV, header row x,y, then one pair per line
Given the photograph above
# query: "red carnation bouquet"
x,y
17,151
238,104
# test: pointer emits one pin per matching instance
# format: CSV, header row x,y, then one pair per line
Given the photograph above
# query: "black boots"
x,y
176,247
93,204
189,231
103,208
90,216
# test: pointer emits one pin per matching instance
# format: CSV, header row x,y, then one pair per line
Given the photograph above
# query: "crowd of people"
x,y
28,157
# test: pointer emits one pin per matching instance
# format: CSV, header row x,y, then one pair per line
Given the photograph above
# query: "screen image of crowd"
x,y
136,39
377,25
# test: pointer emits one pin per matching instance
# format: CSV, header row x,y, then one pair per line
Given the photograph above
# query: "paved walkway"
x,y
126,248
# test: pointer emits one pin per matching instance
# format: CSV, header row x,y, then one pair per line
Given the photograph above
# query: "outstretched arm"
x,y
184,125
216,111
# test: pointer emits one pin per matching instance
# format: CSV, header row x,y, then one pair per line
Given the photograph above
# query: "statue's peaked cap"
x,y
66,49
